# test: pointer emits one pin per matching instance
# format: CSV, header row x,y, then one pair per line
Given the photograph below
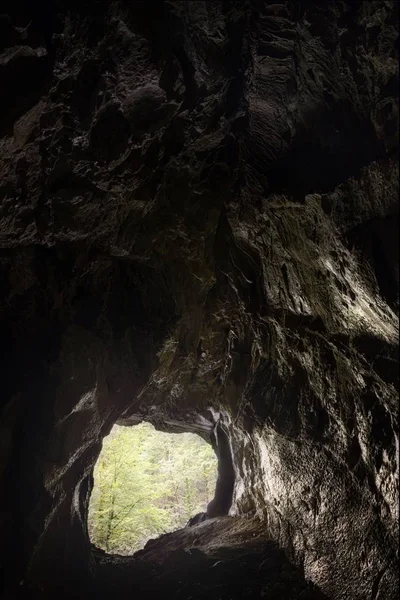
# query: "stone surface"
x,y
231,556
198,226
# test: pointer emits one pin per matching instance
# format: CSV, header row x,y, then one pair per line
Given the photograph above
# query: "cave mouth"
x,y
147,483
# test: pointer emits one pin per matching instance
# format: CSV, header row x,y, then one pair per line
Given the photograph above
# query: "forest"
x,y
146,483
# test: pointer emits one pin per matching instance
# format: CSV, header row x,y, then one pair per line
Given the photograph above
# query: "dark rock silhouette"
x,y
222,501
199,518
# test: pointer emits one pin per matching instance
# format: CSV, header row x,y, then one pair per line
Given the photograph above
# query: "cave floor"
x,y
222,559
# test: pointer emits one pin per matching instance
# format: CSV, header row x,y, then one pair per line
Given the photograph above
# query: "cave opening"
x,y
147,483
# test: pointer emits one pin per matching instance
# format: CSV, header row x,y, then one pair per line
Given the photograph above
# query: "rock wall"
x,y
198,213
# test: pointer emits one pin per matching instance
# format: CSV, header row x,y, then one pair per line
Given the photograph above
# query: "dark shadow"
x,y
25,76
222,501
249,571
378,242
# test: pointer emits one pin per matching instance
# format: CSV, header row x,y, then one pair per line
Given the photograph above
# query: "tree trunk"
x,y
112,511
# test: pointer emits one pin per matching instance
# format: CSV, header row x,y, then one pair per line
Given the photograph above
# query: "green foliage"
x,y
146,483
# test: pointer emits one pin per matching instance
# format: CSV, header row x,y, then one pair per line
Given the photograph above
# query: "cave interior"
x,y
198,229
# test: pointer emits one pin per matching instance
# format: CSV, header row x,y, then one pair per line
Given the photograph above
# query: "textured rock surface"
x,y
198,224
231,555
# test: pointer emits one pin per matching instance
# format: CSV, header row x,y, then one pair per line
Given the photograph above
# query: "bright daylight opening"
x,y
146,483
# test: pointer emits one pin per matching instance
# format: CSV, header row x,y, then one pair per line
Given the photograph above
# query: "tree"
x,y
146,483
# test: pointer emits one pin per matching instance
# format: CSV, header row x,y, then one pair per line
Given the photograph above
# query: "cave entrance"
x,y
146,483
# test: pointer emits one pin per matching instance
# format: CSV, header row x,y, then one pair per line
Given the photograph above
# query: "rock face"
x,y
198,227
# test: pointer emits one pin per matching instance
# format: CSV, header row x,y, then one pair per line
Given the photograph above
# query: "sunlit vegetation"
x,y
146,483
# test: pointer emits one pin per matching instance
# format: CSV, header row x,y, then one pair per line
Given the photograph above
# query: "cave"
x,y
198,230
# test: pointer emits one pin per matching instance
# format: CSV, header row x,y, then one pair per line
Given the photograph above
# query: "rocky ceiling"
x,y
198,226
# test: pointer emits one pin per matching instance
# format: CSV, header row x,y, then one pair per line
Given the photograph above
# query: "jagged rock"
x,y
199,518
197,228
